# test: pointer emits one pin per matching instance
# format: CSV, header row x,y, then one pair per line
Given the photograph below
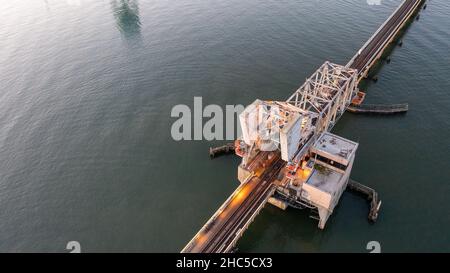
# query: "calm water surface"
x,y
86,90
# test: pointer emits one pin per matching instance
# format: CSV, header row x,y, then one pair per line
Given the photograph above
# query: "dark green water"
x,y
86,92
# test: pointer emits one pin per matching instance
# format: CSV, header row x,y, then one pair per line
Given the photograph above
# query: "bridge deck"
x,y
227,225
375,46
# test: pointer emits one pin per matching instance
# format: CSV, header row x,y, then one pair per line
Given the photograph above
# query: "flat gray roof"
x,y
336,146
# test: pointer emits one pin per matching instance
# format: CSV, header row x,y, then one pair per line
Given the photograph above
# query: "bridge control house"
x,y
320,182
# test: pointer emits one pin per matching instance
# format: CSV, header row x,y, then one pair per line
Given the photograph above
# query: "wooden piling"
x,y
371,195
378,108
224,149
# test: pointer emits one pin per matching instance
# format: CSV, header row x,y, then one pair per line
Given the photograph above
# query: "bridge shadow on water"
x,y
126,14
293,230
282,229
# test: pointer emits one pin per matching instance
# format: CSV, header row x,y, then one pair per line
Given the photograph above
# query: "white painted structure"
x,y
273,125
319,163
333,158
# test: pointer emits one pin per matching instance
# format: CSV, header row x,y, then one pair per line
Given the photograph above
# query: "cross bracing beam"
x,y
327,92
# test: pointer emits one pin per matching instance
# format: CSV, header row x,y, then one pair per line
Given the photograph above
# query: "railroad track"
x,y
390,29
242,214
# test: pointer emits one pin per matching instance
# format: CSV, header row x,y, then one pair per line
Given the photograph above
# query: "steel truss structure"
x,y
327,93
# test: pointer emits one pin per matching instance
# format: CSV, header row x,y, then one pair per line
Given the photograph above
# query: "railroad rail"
x,y
373,49
227,225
